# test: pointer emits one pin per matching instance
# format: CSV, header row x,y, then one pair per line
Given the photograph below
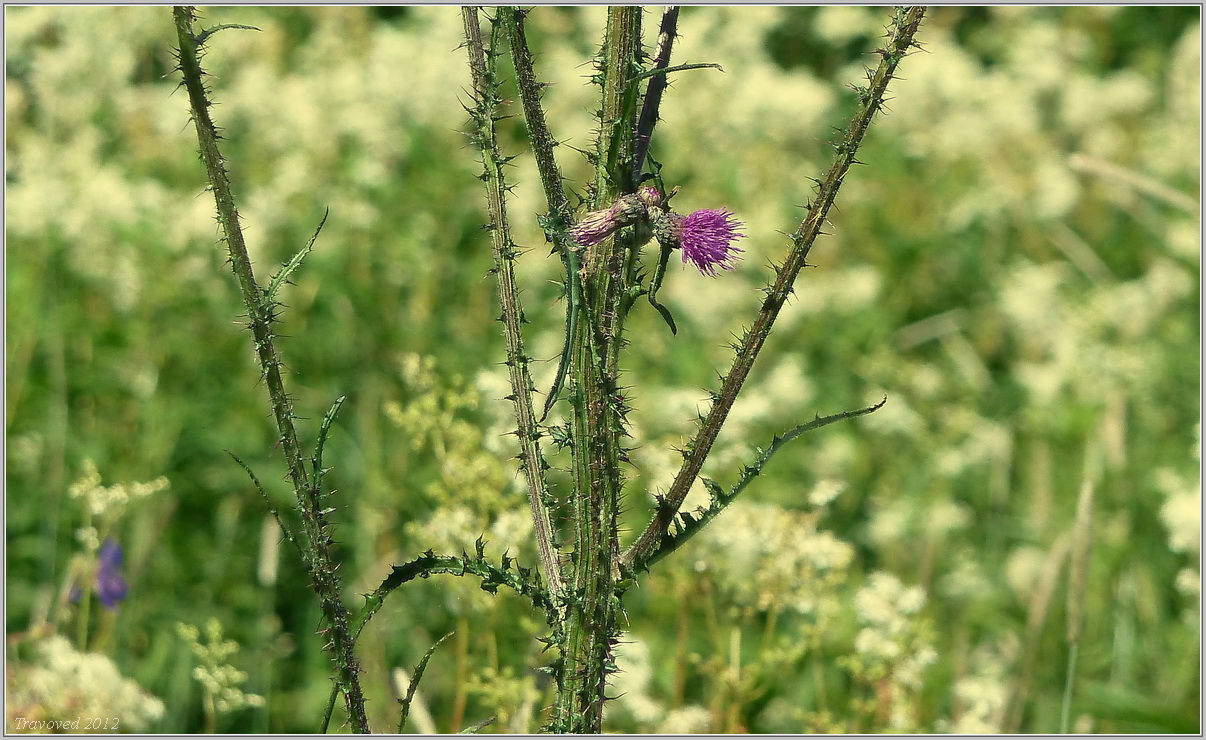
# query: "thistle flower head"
x,y
598,225
707,237
594,228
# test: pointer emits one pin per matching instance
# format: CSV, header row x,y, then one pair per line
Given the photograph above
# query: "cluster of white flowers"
x,y
65,685
982,695
1181,514
825,491
902,522
219,680
887,603
435,417
978,442
954,108
511,698
633,686
842,290
894,643
1088,349
111,501
766,557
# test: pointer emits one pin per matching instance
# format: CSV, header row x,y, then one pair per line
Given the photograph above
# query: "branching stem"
x,y
904,26
316,547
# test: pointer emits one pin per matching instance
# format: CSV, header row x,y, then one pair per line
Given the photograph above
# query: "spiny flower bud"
x,y
666,227
594,227
650,196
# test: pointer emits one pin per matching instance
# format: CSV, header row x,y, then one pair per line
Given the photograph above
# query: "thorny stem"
x,y
557,220
325,580
591,619
481,63
904,26
542,139
690,524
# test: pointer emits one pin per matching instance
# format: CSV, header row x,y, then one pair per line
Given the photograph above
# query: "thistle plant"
x,y
584,569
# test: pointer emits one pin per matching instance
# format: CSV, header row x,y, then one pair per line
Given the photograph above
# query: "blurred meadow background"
x,y
1017,267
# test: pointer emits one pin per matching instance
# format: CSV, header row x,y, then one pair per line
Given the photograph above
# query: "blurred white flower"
x,y
64,685
1181,512
111,501
764,555
874,644
688,720
1189,583
633,681
840,24
884,600
1023,570
825,491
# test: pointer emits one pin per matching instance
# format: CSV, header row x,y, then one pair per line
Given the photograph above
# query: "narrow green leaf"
x,y
323,431
282,276
414,681
472,729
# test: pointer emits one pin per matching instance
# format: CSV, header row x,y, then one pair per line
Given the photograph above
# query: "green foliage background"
x,y
1016,267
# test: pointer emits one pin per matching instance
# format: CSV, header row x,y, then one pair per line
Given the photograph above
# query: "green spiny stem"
x,y
591,619
481,64
543,142
522,580
325,580
286,530
319,472
282,277
904,27
557,221
515,577
479,725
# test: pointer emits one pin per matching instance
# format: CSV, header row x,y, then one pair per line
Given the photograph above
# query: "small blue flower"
x,y
110,584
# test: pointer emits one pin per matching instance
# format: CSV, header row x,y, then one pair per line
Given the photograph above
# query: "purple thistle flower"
x,y
110,585
707,237
594,228
598,225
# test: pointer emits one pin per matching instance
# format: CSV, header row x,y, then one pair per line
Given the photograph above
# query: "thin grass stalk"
x,y
1036,619
1078,576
